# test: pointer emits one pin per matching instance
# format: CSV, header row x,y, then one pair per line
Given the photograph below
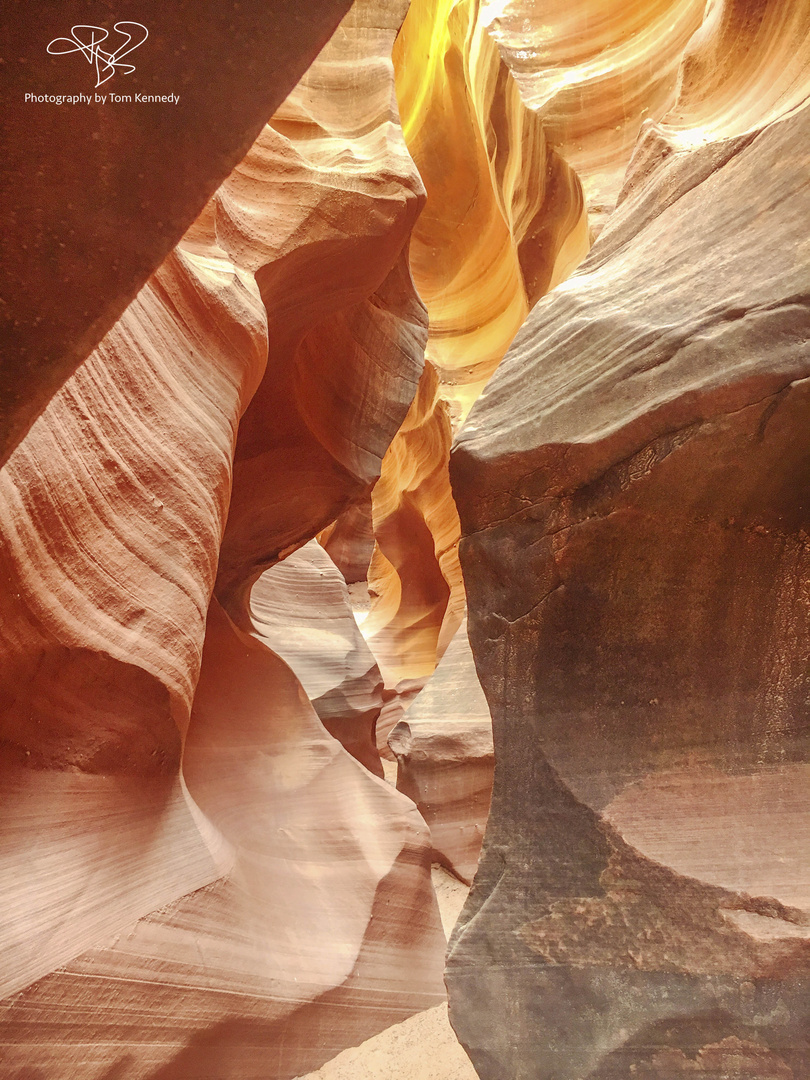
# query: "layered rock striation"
x,y
68,270
246,894
205,872
633,494
594,73
504,221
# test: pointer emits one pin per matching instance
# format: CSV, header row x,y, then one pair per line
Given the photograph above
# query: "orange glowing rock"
x,y
250,897
593,72
504,222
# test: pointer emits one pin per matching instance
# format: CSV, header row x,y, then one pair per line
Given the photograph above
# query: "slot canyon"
x,y
405,540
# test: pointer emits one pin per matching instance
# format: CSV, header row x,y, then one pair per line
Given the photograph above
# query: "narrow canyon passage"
x,y
404,607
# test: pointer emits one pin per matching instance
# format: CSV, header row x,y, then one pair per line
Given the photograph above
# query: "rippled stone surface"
x,y
503,223
201,881
68,270
633,488
205,874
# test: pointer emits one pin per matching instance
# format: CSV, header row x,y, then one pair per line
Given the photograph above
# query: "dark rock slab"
x,y
96,195
634,490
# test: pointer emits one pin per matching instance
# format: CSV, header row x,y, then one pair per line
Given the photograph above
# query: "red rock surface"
x,y
205,874
349,541
172,840
69,270
633,493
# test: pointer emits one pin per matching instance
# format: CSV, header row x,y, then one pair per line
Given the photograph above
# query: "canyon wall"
x,y
200,879
633,490
324,450
504,221
97,194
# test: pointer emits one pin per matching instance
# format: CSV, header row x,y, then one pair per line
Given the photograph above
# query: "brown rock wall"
x,y
633,494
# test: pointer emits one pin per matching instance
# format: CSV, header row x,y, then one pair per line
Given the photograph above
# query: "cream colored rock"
x,y
421,1048
745,67
594,73
300,609
446,760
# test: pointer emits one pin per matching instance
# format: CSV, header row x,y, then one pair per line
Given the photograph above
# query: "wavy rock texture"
x,y
445,758
504,219
300,608
349,541
748,65
503,223
68,271
593,73
633,492
416,529
266,903
108,564
328,183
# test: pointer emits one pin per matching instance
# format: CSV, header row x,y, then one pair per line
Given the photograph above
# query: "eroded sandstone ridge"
x,y
94,195
504,221
633,489
199,880
231,576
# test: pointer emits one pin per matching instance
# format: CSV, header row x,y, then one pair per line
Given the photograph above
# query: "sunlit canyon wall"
x,y
633,491
457,426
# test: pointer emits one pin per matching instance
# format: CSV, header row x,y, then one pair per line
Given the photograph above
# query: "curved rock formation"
x,y
748,65
416,529
204,874
349,541
633,492
594,73
109,556
504,219
318,927
249,897
445,758
68,270
108,560
504,222
300,609
329,183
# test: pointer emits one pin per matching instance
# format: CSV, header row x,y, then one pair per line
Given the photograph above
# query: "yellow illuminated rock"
x,y
504,222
